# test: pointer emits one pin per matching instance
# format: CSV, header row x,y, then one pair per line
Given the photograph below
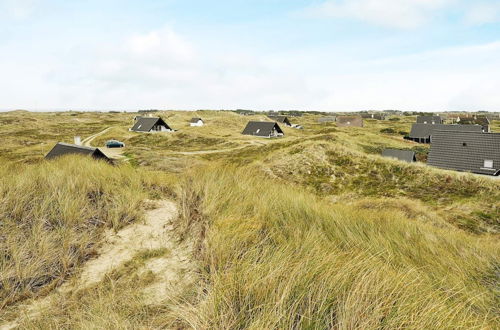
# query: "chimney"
x,y
78,141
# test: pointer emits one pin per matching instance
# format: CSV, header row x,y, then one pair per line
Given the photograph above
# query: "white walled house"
x,y
196,122
150,125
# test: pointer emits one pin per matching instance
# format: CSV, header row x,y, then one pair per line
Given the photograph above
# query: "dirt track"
x,y
173,270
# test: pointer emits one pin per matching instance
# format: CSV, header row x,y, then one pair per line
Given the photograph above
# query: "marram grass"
x,y
52,215
278,257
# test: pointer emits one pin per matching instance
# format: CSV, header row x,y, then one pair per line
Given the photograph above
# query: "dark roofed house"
x,y
429,120
281,119
493,117
263,129
349,121
483,121
62,149
474,152
196,122
150,124
377,116
422,133
404,155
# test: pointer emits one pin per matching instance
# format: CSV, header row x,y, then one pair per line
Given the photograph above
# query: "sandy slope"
x,y
155,232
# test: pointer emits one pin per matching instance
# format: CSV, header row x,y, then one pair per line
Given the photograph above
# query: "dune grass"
x,y
329,169
310,231
53,213
278,257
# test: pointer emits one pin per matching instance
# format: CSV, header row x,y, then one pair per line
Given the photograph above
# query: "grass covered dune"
x,y
280,257
53,213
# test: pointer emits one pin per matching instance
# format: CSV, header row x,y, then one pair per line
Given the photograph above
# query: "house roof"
x,y
261,128
429,119
465,151
426,130
350,121
379,116
475,121
404,155
61,149
145,124
195,120
280,119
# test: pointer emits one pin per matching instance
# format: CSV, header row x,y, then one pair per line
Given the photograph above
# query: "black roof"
x,y
465,151
261,128
195,120
475,121
62,149
426,130
145,124
404,155
280,119
429,120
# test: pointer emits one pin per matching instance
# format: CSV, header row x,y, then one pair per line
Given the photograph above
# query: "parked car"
x,y
114,144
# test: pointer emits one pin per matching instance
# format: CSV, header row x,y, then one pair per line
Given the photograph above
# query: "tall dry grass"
x,y
52,215
279,257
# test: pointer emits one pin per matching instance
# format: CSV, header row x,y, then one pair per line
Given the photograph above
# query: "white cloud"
x,y
391,13
164,69
19,9
161,43
483,13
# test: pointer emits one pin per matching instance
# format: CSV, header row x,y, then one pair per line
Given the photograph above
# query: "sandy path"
x,y
155,232
114,153
86,142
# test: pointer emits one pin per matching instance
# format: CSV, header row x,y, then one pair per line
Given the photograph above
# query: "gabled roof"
x,y
195,120
261,128
426,130
474,121
280,119
493,117
145,124
429,120
356,121
62,149
404,155
465,151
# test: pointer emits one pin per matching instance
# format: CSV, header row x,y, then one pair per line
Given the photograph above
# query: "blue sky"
x,y
338,55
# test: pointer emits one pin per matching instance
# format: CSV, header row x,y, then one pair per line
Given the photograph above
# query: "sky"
x,y
325,55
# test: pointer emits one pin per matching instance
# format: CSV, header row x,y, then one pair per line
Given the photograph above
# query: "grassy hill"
x,y
314,230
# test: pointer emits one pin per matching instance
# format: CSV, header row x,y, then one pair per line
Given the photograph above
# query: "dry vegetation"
x,y
314,230
296,261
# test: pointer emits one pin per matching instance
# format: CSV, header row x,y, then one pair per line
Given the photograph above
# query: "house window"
x,y
488,163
